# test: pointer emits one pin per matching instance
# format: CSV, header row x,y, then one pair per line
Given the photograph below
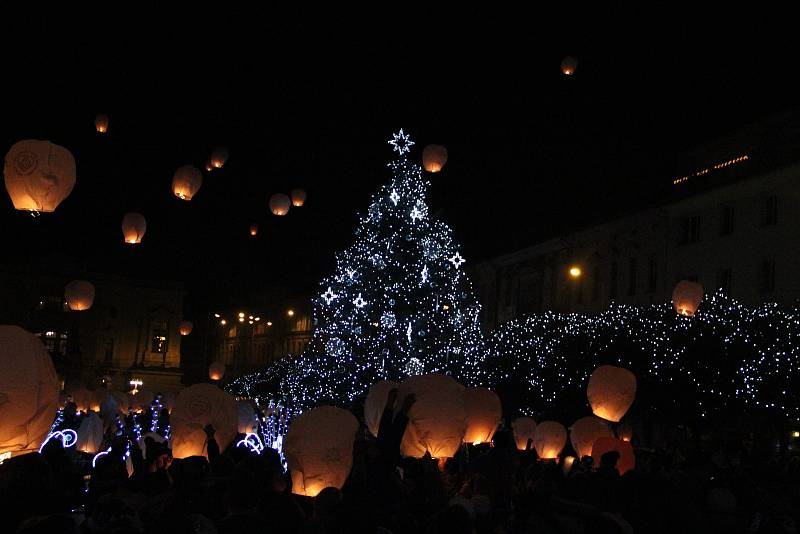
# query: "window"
x,y
612,281
690,231
652,274
632,268
724,279
108,351
766,276
726,226
769,212
62,343
596,283
158,337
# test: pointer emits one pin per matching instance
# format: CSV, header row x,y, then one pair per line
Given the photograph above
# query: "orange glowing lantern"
x,y
279,204
197,406
569,461
38,175
568,65
298,197
185,328
484,413
437,419
254,229
434,157
319,449
209,167
686,297
186,182
585,431
524,430
83,399
216,370
611,391
141,400
133,228
79,295
218,157
625,432
627,459
549,439
90,434
101,123
375,403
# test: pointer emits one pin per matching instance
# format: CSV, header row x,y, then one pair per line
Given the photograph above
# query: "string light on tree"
x,y
456,260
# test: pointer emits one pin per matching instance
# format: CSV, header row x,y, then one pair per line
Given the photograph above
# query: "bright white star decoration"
x,y
456,260
401,142
329,296
394,197
416,214
359,302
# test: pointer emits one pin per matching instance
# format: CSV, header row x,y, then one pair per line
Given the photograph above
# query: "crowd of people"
x,y
697,485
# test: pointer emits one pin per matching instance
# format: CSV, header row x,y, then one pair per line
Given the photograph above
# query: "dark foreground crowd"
x,y
703,487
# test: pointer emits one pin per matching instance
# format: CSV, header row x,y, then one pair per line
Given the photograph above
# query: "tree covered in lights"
x,y
398,303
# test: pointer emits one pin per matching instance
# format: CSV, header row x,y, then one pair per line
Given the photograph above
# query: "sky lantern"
x,y
625,432
611,391
254,229
208,166
185,328
29,390
627,459
434,157
569,65
79,295
90,434
298,197
484,413
218,157
99,395
437,420
549,439
196,407
279,204
216,370
585,431
101,123
39,175
524,429
133,228
375,404
319,449
686,297
141,400
186,182
82,398
247,420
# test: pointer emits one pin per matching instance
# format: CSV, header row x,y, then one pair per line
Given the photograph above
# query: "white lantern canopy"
x,y
39,175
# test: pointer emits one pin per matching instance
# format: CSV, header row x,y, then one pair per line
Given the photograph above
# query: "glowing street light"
x,y
290,313
575,271
223,322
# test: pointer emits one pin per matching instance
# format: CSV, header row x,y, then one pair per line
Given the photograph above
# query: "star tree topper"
x,y
401,142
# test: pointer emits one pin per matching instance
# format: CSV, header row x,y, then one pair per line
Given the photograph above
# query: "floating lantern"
x,y
141,400
218,157
627,460
83,399
133,228
29,390
686,297
185,328
39,175
246,417
549,439
90,434
279,204
585,431
253,229
568,65
186,182
101,123
625,432
569,461
611,391
319,449
79,295
298,197
375,403
209,167
434,157
99,396
216,370
484,413
437,420
524,430
197,406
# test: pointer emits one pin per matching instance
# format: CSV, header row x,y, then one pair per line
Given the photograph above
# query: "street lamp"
x,y
575,272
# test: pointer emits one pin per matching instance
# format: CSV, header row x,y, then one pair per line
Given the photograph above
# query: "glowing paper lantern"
x,y
279,204
98,397
79,295
484,413
141,401
611,391
218,157
29,390
625,432
216,370
82,398
627,460
101,123
524,429
186,182
298,197
209,167
319,449
585,431
39,175
549,439
686,297
246,417
434,157
90,434
133,228
437,420
375,404
185,328
253,229
569,461
109,407
168,400
568,65
196,407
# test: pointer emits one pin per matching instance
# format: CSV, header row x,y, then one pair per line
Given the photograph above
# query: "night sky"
x,y
311,104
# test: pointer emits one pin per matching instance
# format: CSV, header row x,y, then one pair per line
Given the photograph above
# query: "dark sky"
x,y
309,101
